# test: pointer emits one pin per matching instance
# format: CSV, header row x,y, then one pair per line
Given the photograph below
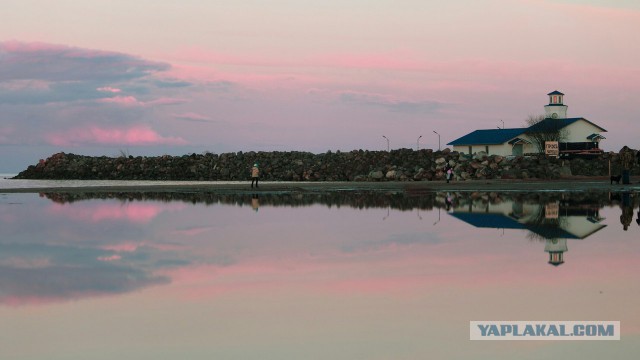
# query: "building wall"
x,y
561,110
499,149
579,130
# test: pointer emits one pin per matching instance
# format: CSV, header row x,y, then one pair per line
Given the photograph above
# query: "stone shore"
x,y
404,165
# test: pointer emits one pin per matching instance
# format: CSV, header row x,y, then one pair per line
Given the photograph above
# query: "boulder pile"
x,y
356,165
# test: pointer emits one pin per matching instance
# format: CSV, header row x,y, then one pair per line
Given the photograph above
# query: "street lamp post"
x,y
387,142
418,143
502,123
435,132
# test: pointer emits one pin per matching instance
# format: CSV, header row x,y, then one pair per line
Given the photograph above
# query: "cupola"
x,y
556,108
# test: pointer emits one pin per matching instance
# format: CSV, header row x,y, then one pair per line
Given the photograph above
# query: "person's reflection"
x,y
448,201
255,202
627,211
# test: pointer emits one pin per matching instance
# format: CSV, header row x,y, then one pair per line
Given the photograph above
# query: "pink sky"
x,y
187,76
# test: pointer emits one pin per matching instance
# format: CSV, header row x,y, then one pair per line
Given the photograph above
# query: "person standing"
x,y
255,174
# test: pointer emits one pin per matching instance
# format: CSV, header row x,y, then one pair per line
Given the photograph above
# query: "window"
x,y
470,150
486,149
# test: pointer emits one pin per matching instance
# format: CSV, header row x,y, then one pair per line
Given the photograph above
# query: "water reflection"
x,y
376,275
554,221
91,244
547,215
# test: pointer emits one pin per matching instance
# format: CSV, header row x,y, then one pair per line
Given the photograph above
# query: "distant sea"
x,y
7,183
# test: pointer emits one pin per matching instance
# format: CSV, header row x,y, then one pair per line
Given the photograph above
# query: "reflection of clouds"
x,y
21,286
206,250
37,273
192,231
394,240
96,212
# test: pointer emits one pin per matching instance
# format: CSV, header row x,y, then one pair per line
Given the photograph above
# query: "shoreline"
x,y
576,184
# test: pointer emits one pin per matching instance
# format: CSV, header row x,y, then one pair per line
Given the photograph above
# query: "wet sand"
x,y
565,184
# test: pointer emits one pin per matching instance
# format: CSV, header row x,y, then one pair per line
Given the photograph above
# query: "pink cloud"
x,y
124,247
110,258
135,136
136,213
109,89
127,101
132,101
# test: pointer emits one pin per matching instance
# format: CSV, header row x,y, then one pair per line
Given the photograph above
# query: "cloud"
x,y
122,101
391,104
109,89
38,73
191,116
64,63
131,101
166,101
135,136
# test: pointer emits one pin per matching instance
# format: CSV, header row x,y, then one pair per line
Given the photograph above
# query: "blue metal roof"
x,y
488,220
595,136
556,92
500,136
501,221
488,137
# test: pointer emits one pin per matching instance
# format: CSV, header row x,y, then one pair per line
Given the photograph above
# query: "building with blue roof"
x,y
580,134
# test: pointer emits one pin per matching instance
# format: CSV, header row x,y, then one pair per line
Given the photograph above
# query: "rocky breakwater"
x,y
357,165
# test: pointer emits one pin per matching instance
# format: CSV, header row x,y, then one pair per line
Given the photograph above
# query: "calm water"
x,y
312,276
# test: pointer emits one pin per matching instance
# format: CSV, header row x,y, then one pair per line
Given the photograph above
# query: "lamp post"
x,y
387,142
435,132
418,143
502,123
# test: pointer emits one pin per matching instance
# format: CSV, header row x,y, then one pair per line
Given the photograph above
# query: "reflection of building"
x,y
556,249
555,222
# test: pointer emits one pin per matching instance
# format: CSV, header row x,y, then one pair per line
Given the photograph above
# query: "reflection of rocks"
x,y
403,200
357,165
354,199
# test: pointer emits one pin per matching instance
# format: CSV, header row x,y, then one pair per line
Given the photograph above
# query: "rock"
x,y
376,175
363,165
480,155
565,171
441,161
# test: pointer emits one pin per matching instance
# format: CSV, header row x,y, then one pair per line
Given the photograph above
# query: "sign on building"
x,y
551,210
551,148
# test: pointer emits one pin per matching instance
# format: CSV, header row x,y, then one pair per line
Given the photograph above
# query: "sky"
x,y
153,77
